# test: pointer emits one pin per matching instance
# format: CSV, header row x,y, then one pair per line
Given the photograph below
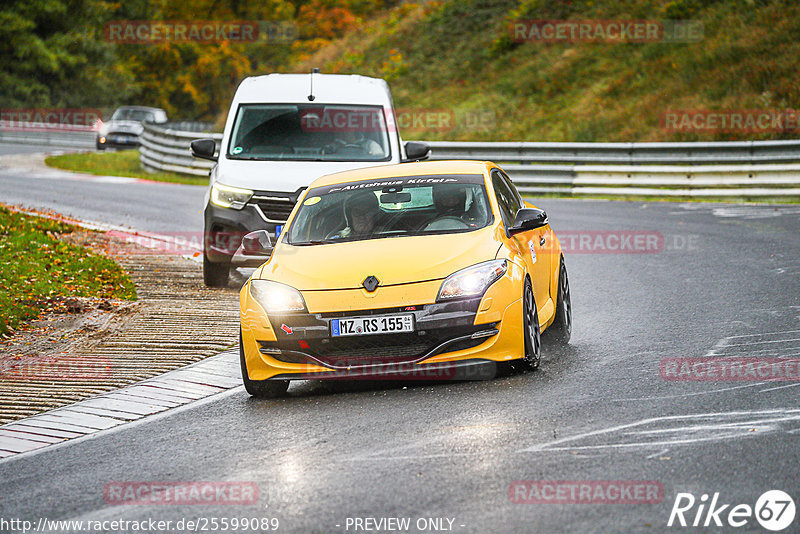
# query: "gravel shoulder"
x,y
101,345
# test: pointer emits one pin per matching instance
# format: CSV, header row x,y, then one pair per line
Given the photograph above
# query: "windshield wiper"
x,y
308,243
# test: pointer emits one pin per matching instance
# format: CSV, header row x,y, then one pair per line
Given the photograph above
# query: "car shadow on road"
x,y
555,361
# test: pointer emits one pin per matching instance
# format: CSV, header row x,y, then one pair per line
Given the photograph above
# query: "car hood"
x,y
286,176
398,260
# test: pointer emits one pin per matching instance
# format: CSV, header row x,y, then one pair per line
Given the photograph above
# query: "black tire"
x,y
215,274
531,329
561,330
263,389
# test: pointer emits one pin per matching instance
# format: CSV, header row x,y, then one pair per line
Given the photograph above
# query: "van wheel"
x,y
215,274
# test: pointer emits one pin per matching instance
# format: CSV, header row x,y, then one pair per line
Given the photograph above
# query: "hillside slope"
x,y
458,57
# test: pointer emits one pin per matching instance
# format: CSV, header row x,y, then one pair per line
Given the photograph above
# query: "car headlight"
x,y
275,297
226,196
472,281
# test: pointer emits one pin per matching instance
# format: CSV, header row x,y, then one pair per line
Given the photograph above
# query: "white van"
x,y
283,131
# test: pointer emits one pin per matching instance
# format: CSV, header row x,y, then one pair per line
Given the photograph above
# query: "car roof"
x,y
328,89
141,108
405,169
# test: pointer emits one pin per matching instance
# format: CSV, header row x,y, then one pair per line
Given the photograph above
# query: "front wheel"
x,y
530,328
561,329
215,274
264,389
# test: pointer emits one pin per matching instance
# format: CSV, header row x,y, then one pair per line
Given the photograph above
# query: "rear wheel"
x,y
264,389
561,329
215,274
530,328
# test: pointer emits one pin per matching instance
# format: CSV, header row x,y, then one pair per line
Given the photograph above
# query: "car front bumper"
x,y
117,141
454,340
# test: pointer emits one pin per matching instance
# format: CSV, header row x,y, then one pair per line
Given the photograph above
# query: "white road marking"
x,y
656,454
711,427
688,430
779,387
694,394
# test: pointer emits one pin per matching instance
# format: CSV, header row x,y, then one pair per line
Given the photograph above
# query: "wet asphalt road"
x,y
725,282
138,204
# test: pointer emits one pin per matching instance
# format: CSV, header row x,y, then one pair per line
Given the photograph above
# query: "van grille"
x,y
273,209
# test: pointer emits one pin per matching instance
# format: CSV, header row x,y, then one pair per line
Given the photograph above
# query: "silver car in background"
x,y
125,126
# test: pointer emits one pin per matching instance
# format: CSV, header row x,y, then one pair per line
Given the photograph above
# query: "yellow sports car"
x,y
409,270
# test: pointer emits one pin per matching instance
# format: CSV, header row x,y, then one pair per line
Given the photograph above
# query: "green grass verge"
x,y
38,270
117,163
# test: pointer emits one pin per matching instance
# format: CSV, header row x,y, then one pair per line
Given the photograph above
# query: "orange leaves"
x,y
322,20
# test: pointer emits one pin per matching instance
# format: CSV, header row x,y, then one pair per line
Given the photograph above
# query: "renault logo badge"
x,y
370,283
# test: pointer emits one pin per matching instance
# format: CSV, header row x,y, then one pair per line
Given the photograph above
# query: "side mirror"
x,y
204,148
417,150
528,219
257,243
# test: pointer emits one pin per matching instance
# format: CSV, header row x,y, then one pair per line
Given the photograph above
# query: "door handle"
x,y
541,241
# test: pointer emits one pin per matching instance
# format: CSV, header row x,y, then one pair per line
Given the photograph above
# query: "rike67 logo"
x,y
774,510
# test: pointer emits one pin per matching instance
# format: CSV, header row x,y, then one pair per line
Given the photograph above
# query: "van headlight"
x,y
275,297
226,196
472,281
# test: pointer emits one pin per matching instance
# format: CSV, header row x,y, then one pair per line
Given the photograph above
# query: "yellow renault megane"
x,y
404,270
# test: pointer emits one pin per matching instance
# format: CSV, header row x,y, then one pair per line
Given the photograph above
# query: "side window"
x,y
507,199
514,191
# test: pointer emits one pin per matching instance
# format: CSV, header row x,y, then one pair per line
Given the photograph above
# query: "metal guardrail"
x,y
164,148
698,169
716,152
44,134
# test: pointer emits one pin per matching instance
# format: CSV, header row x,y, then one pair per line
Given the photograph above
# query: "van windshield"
x,y
128,114
311,132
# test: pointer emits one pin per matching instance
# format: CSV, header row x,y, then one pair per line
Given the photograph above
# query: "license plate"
x,y
360,326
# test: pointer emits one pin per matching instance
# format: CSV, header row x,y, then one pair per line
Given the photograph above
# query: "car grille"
x,y
377,349
273,209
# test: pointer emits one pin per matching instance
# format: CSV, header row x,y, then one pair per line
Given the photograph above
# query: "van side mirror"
x,y
204,148
528,219
417,150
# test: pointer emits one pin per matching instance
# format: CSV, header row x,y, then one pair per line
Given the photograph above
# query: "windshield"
x,y
391,207
316,132
137,115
